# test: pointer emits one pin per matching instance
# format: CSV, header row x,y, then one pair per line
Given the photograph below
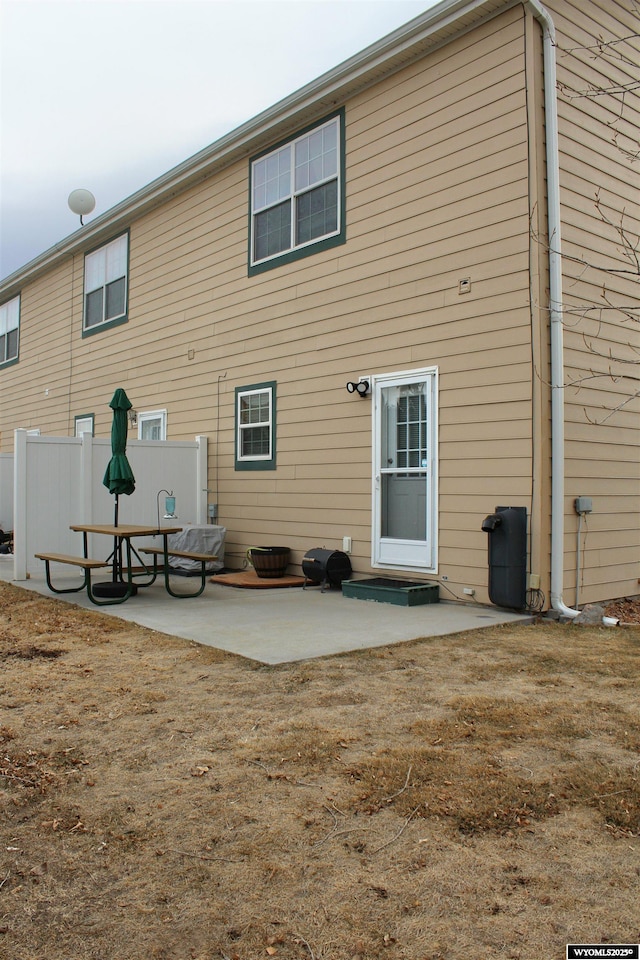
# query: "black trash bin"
x,y
507,529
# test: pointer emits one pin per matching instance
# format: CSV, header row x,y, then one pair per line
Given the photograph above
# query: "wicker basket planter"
x,y
269,562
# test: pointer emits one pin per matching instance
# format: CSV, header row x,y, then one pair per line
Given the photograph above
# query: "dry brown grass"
x,y
468,796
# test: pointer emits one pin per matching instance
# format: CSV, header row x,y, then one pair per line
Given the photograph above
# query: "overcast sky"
x,y
110,94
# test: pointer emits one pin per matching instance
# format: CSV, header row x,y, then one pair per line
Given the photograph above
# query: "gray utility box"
x,y
507,529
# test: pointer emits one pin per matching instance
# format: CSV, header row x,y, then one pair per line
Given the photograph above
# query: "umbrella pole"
x,y
117,561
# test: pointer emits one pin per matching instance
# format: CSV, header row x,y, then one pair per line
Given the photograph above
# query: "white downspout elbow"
x,y
555,308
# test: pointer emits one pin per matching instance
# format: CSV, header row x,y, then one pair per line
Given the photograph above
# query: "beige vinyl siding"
x,y
444,178
602,414
423,210
437,191
34,393
180,255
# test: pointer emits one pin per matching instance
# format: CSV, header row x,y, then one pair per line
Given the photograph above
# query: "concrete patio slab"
x,y
281,625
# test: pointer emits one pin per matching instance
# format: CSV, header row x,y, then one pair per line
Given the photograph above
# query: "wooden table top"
x,y
123,529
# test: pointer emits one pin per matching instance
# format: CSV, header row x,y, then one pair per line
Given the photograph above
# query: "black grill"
x,y
326,567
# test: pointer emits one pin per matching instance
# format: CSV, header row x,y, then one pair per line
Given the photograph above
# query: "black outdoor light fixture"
x,y
361,387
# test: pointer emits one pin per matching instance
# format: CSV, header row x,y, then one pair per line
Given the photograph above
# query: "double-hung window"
x,y
105,284
9,327
297,196
256,427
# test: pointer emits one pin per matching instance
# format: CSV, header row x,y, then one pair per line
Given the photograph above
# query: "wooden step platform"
x,y
249,580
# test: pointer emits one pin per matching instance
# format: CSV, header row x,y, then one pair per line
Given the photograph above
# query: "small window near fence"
x,y
152,425
84,424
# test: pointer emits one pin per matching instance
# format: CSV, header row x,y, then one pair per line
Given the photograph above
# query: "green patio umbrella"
x,y
118,479
119,476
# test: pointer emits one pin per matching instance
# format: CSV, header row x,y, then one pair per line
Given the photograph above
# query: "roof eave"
x,y
434,28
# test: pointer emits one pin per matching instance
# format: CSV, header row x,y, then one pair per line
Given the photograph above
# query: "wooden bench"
x,y
87,565
202,558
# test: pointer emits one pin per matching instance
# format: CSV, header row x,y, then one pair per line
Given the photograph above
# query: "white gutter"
x,y
555,308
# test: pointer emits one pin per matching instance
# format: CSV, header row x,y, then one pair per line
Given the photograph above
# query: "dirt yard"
x,y
469,797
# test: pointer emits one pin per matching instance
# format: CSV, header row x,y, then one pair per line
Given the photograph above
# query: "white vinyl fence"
x,y
6,491
57,481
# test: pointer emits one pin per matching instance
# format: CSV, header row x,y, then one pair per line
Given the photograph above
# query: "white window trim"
x,y
12,306
88,419
294,193
88,288
147,415
426,562
264,457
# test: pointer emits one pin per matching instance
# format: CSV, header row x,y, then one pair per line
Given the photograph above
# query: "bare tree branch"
x,y
615,358
620,406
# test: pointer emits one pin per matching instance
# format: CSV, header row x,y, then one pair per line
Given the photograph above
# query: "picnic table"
x,y
122,585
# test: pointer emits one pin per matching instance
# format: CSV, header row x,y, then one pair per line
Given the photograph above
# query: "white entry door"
x,y
405,470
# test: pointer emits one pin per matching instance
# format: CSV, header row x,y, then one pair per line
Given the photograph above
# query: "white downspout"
x,y
555,307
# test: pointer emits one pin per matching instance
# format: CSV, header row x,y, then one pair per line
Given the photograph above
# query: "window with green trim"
x,y
255,427
297,196
9,330
105,284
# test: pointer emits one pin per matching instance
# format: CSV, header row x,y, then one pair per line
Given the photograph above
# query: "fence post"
x,y
20,505
202,493
86,479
